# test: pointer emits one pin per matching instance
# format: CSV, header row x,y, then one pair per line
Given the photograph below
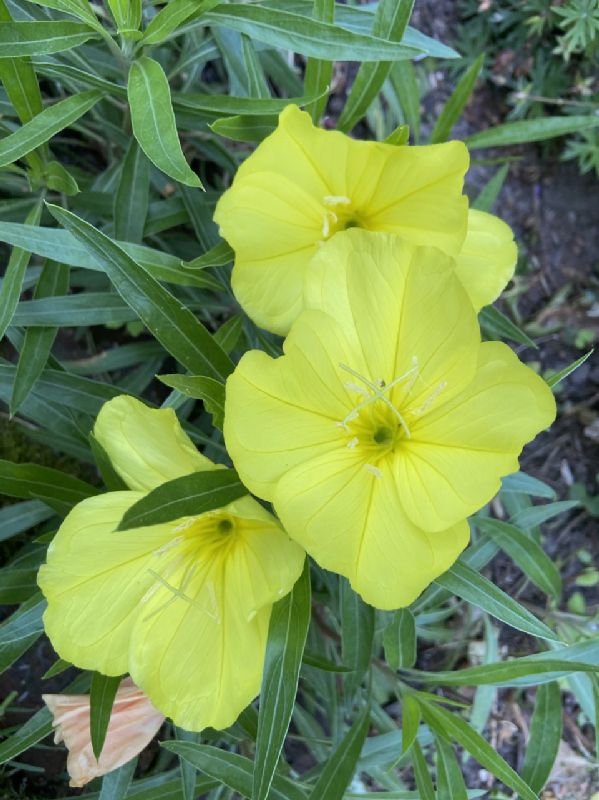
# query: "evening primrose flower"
x,y
304,185
183,607
133,724
386,422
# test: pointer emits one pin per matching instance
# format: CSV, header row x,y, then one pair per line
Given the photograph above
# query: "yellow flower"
x,y
183,607
386,422
303,184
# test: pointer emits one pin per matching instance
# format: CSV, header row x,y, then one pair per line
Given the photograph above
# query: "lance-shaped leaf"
x,y
545,735
476,589
357,633
132,195
286,641
153,120
306,36
399,640
319,72
59,490
172,324
45,125
234,770
39,38
185,497
101,699
507,673
340,767
448,724
171,16
533,130
452,110
390,22
201,388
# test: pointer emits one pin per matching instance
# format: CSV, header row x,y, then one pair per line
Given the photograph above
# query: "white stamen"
x,y
353,442
430,399
336,200
373,470
173,543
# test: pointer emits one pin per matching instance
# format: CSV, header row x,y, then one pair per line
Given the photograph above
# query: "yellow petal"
x,y
379,287
460,450
351,521
198,648
487,259
280,412
146,446
303,184
94,580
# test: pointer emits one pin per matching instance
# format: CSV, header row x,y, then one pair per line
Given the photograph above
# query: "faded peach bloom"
x,y
133,723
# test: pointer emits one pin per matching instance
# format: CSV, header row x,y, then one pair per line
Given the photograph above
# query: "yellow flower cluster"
x,y
382,427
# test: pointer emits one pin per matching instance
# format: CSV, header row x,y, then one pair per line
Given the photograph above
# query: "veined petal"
x,y
487,260
94,580
349,517
146,446
377,287
201,670
281,412
419,195
460,450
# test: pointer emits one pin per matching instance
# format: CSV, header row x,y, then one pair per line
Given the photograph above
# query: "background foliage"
x,y
122,123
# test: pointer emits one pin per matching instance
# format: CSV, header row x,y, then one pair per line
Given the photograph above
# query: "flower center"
x,y
338,215
224,526
383,435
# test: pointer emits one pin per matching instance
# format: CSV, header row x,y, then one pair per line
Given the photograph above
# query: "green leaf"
x,y
448,724
19,632
132,195
488,195
405,85
86,308
533,130
287,633
46,242
19,517
38,38
127,15
115,785
522,483
525,552
77,8
399,640
173,325
410,721
38,341
36,728
498,326
15,273
309,37
171,16
400,136
209,105
233,770
450,781
20,84
45,125
153,120
563,373
452,110
201,388
218,256
341,764
256,80
57,489
390,22
245,128
60,180
357,634
506,673
533,516
469,585
422,775
113,481
187,496
319,72
103,692
229,332
544,738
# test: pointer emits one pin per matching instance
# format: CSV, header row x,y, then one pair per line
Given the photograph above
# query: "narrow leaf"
x,y
153,120
357,634
450,781
319,72
422,774
201,388
399,640
184,497
497,325
103,692
533,130
544,738
173,325
452,110
59,490
341,765
563,373
38,38
45,125
287,633
476,589
132,195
